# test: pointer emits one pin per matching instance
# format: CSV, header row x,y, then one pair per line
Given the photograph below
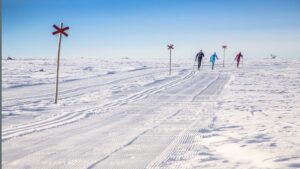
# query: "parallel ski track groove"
x,y
68,91
59,119
176,141
132,140
186,135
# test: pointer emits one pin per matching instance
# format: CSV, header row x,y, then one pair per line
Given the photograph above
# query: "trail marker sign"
x,y
61,31
171,46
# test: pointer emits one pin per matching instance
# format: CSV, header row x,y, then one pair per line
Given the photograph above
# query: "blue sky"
x,y
143,28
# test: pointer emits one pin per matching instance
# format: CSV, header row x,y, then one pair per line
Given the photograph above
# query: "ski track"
x,y
131,141
184,142
182,137
67,118
76,90
178,92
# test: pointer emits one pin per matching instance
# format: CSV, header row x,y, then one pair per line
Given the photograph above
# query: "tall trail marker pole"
x,y
170,47
58,30
224,48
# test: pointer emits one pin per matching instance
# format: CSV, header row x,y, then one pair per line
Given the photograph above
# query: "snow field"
x,y
134,115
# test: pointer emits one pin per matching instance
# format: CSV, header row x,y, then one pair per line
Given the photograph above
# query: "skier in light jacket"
x,y
213,59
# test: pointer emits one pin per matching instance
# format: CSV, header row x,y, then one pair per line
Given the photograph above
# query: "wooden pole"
x,y
224,57
170,60
57,69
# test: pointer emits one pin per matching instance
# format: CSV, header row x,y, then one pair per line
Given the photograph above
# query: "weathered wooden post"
x,y
170,47
224,48
59,30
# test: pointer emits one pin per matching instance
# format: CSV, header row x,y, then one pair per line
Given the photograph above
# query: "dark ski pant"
x,y
212,65
199,63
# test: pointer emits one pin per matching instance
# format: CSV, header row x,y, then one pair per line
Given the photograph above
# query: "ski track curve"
x,y
26,100
173,94
67,118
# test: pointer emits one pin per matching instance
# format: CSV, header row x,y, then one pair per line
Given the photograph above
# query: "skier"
x,y
238,59
199,56
213,59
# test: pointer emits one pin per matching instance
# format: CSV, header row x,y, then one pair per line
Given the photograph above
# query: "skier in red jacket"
x,y
238,59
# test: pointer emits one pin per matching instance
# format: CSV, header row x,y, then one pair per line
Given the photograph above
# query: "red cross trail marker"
x,y
170,47
58,30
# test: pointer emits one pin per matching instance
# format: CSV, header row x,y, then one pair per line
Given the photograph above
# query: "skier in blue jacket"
x,y
213,59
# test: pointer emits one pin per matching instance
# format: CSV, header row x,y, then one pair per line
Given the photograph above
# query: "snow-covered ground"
x,y
132,114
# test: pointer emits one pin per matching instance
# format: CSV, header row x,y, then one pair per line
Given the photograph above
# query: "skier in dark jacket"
x,y
199,56
238,59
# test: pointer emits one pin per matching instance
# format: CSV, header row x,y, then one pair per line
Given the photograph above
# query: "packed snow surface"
x,y
133,114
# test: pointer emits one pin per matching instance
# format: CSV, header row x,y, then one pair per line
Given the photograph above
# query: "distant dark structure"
x,y
273,56
10,58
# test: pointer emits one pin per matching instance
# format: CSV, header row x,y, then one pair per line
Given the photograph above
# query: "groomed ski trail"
x,y
141,130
